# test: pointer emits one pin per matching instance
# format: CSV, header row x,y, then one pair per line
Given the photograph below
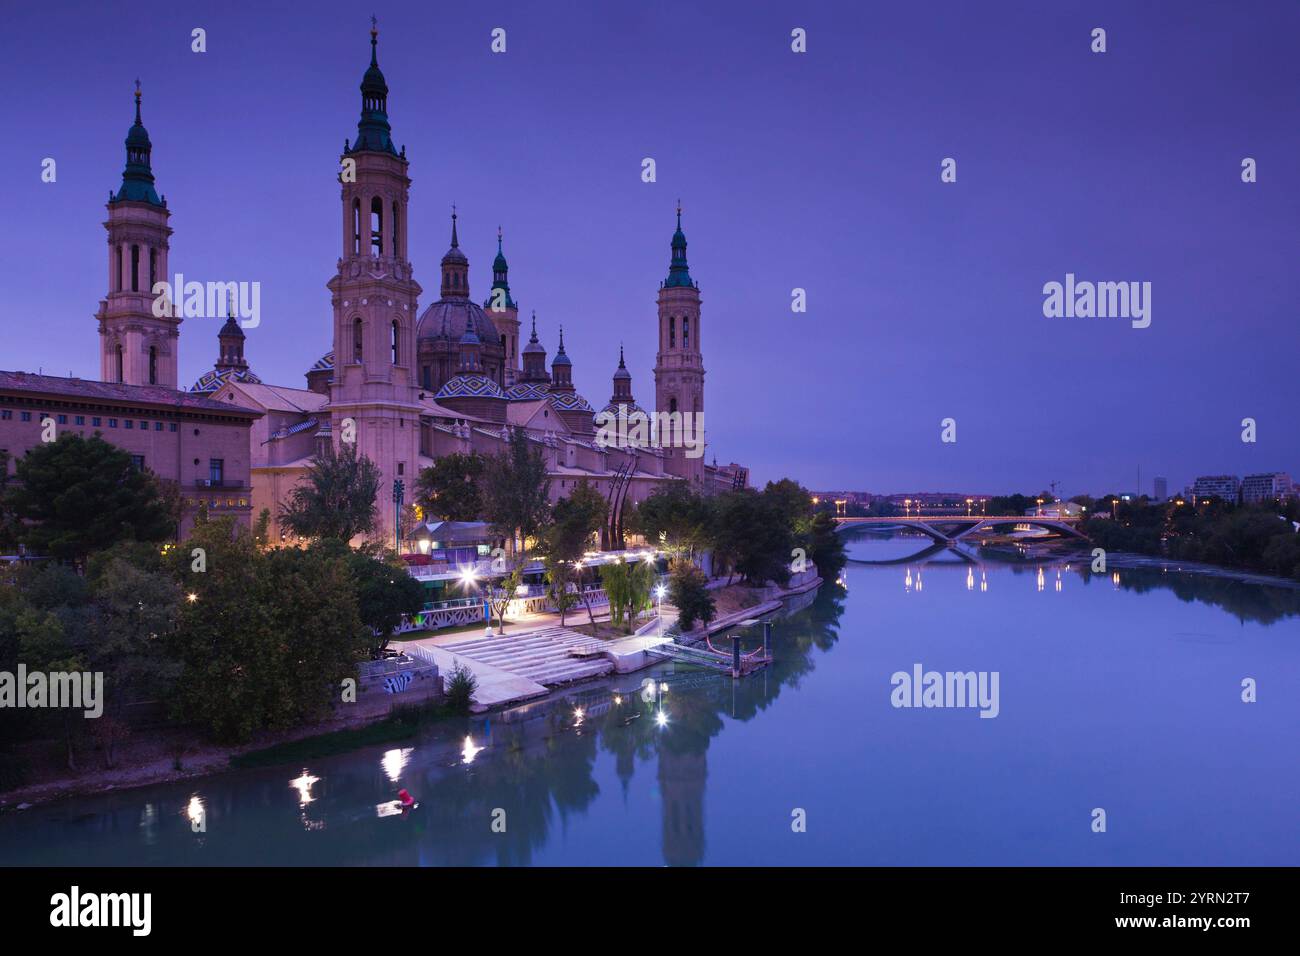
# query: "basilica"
x,y
408,385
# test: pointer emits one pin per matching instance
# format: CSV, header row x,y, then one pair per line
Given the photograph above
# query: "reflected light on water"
x,y
394,762
984,581
195,809
469,751
1058,580
1040,578
970,579
303,785
907,581
1114,579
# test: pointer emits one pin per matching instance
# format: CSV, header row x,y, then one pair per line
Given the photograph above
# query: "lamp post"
x,y
399,491
659,593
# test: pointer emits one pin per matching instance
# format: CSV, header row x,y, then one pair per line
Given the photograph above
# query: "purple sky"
x,y
818,170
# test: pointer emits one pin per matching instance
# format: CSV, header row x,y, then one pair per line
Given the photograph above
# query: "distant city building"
x,y
1221,486
1270,486
1161,488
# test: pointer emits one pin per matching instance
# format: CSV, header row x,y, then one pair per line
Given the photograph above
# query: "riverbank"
x,y
154,760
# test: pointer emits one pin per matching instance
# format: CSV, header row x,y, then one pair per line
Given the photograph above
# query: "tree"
x,y
516,491
386,594
628,584
336,499
675,517
826,547
688,592
264,638
262,528
755,536
516,503
78,495
575,519
449,488
136,609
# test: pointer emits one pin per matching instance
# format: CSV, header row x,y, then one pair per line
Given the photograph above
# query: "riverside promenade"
x,y
537,654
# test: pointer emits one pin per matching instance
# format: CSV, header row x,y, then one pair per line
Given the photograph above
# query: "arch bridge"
x,y
950,529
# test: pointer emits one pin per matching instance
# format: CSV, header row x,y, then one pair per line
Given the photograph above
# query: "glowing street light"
x,y
191,597
659,593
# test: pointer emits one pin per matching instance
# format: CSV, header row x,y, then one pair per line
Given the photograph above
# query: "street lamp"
x,y
659,593
969,502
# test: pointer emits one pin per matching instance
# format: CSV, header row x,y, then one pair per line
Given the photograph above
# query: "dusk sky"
x,y
818,170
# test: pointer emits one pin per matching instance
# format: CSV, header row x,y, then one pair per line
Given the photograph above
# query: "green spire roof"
x,y
373,132
137,178
500,273
679,274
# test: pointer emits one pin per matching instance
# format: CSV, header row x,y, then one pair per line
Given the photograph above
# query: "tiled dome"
x,y
470,385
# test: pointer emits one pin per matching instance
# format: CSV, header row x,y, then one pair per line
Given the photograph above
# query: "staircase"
x,y
545,655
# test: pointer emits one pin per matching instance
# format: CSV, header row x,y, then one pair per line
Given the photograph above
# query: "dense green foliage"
x,y
688,591
460,687
336,499
78,495
1253,537
449,488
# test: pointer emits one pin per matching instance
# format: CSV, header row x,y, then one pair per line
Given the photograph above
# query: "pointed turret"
x,y
137,177
455,267
534,358
561,369
679,274
373,132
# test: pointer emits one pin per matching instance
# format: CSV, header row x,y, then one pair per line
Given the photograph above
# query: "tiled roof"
x,y
155,395
214,378
526,391
324,364
570,401
470,385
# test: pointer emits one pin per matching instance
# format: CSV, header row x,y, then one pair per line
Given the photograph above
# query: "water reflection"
x,y
685,766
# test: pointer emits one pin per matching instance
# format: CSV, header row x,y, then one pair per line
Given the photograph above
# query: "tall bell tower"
x,y
137,347
679,365
374,392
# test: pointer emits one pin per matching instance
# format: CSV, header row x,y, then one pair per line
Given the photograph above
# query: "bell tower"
x,y
679,364
137,347
374,297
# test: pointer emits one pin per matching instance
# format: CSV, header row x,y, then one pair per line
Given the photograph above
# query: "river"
x,y
1119,692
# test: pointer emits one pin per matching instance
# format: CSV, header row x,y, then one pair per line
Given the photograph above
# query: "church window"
x,y
672,332
356,340
686,332
356,227
672,405
135,268
377,226
153,267
397,251
396,354
426,375
118,358
153,365
117,276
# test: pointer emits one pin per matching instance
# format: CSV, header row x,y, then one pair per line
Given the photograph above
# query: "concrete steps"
x,y
543,656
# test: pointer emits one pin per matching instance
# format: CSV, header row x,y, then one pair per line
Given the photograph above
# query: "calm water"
x,y
1120,694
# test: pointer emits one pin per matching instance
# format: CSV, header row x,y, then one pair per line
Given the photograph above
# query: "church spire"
x,y
373,132
678,272
455,267
137,177
499,298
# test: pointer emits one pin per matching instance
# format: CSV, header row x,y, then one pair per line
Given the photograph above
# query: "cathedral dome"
x,y
570,402
448,319
526,391
214,378
469,385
